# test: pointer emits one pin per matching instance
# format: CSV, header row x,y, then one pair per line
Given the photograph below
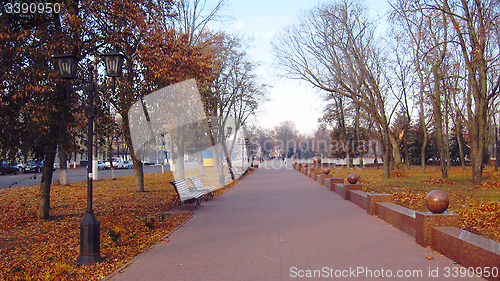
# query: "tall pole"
x,y
162,153
110,148
90,252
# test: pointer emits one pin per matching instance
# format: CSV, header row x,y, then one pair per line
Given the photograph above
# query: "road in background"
x,y
76,175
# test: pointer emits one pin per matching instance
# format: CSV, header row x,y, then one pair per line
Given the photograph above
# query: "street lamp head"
x,y
66,64
114,63
229,130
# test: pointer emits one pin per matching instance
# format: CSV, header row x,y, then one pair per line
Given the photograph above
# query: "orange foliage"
x,y
433,180
398,174
130,223
481,218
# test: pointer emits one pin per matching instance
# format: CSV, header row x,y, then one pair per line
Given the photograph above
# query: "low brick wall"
x,y
343,189
374,198
426,220
467,249
439,231
400,217
367,200
318,177
360,198
330,182
323,177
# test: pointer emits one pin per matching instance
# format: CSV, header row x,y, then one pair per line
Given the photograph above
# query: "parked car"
x,y
33,167
118,163
6,168
21,166
128,165
36,167
101,165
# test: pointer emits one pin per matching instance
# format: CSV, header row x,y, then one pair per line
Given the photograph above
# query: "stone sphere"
x,y
437,201
317,159
326,170
305,165
352,178
313,166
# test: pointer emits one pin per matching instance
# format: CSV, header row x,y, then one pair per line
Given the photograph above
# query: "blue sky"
x,y
260,20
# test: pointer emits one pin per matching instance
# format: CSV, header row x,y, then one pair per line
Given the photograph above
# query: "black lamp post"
x,y
90,252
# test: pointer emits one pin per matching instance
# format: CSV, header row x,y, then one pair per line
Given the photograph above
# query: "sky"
x,y
261,20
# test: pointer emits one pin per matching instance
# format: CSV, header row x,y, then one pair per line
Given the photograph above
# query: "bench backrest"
x,y
196,182
181,188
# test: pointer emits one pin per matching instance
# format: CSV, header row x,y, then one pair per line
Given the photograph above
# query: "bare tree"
x,y
475,24
286,135
236,92
426,32
335,49
193,17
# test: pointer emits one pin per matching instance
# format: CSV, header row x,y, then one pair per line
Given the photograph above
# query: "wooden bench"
x,y
185,195
198,185
235,172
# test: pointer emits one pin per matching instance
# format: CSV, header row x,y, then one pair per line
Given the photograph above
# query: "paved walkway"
x,y
282,225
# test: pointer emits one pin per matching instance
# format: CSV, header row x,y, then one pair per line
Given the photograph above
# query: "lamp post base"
x,y
90,252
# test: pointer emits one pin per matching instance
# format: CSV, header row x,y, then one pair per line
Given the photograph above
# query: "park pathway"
x,y
277,224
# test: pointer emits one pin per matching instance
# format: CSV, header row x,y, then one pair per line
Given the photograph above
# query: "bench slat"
x,y
183,191
199,185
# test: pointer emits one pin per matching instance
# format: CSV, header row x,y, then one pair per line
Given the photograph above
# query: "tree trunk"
x,y
374,147
110,153
396,152
447,138
181,139
43,208
424,129
63,167
356,139
438,117
459,140
201,169
386,155
478,139
228,158
173,161
497,150
405,139
347,154
138,171
179,173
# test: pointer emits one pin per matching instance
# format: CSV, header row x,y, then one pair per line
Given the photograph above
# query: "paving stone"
x,y
274,223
